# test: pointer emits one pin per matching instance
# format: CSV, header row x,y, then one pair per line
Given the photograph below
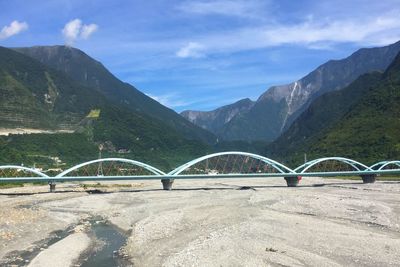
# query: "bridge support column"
x,y
292,181
167,183
368,178
52,186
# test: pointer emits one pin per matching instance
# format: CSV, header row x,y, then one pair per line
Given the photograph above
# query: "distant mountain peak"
x,y
279,106
213,120
359,121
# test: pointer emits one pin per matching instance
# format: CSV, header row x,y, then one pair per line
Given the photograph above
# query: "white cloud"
x,y
71,30
192,49
14,28
75,30
87,30
309,33
174,101
171,100
239,8
361,31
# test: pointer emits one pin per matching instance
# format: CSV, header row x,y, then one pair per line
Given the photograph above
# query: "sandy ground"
x,y
218,222
69,249
8,131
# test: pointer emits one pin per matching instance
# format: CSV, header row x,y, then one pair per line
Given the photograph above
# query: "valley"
x,y
278,107
145,130
199,133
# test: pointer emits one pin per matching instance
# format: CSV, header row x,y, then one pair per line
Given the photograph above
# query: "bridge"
x,y
231,164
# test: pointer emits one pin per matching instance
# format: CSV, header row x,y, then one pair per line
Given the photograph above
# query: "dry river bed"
x,y
225,222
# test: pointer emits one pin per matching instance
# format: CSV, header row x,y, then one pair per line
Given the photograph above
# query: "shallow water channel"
x,y
111,240
104,252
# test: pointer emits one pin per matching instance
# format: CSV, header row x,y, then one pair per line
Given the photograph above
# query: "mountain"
x,y
91,73
33,95
279,106
324,112
36,96
215,120
360,121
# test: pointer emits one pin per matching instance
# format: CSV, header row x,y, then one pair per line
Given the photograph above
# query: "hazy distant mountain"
x,y
215,120
360,121
91,73
279,106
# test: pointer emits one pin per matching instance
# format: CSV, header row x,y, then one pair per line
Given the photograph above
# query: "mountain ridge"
x,y
84,69
215,119
359,121
279,106
33,95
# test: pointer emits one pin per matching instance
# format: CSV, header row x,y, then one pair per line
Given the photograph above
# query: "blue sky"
x,y
203,54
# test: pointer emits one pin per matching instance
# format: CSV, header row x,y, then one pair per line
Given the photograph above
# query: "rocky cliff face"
x,y
279,106
333,75
359,122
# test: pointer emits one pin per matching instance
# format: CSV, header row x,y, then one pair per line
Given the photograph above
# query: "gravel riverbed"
x,y
225,222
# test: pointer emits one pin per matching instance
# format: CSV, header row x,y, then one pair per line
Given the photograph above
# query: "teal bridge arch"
x,y
24,169
358,166
235,160
383,164
148,167
276,165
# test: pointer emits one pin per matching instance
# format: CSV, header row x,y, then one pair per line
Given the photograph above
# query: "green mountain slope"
x,y
261,122
89,72
33,95
36,96
360,122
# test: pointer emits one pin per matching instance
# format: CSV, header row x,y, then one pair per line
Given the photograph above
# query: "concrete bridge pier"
x,y
52,186
292,181
368,178
167,183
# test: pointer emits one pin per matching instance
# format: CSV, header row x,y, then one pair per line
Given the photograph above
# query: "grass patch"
x,y
94,114
19,184
388,178
10,185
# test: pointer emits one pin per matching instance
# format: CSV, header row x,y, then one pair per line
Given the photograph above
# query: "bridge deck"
x,y
197,176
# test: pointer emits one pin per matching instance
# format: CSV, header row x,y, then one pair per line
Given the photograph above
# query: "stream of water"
x,y
106,253
111,239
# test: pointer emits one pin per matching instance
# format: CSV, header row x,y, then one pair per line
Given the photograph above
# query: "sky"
x,y
202,54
